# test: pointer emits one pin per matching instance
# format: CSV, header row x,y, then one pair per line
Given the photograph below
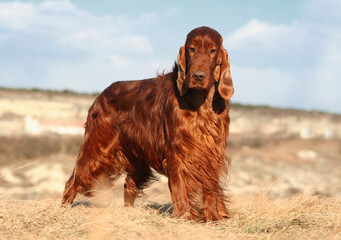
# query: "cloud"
x,y
57,6
71,26
135,43
263,86
259,34
327,82
16,15
119,62
54,44
290,65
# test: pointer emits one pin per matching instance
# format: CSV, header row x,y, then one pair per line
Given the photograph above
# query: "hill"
x,y
284,181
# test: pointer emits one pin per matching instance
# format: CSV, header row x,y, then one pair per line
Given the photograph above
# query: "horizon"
x,y
233,103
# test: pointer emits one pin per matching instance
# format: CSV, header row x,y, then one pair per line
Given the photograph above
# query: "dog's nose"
x,y
199,76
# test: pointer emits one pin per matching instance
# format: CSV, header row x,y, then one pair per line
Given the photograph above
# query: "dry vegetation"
x,y
282,187
30,147
261,216
258,218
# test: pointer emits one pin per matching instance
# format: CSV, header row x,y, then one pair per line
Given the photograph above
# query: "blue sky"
x,y
283,53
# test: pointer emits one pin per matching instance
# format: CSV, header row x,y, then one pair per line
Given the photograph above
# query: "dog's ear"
x,y
181,84
222,74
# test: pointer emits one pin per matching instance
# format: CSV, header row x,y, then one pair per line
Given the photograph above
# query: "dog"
x,y
176,124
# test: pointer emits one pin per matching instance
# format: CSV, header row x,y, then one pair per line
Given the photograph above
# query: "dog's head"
x,y
202,61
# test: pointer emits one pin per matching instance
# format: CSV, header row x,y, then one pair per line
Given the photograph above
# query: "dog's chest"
x,y
206,124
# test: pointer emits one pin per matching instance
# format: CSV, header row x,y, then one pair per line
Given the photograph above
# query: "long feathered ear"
x,y
225,86
181,84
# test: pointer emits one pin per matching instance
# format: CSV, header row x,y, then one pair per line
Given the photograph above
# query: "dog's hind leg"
x,y
137,179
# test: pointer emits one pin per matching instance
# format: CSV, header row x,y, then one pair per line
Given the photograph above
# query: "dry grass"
x,y
258,218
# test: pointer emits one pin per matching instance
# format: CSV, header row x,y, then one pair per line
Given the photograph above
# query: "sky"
x,y
283,53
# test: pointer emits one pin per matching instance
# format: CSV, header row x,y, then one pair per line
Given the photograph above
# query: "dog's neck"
x,y
197,99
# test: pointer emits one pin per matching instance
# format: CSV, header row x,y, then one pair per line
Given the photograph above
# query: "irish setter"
x,y
176,124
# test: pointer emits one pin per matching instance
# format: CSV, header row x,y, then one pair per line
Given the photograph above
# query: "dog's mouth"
x,y
200,85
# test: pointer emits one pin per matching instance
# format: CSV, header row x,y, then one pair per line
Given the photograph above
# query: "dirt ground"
x,y
279,168
279,189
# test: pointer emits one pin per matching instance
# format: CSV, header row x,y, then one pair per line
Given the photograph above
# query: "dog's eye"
x,y
192,49
212,51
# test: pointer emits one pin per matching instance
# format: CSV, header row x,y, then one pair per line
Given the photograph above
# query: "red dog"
x,y
176,123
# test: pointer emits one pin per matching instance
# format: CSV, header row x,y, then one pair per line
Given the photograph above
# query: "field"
x,y
283,184
302,217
